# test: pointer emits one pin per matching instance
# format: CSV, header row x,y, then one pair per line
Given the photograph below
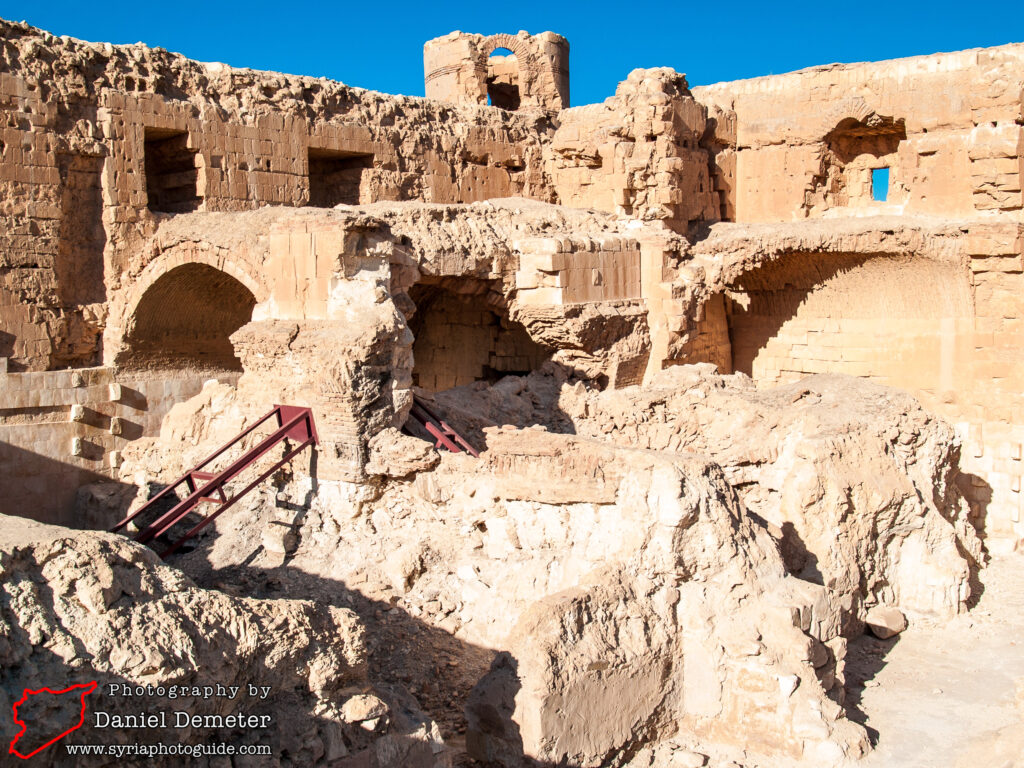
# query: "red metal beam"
x,y
294,423
187,477
446,436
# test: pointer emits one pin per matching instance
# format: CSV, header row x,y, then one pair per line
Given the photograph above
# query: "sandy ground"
x,y
952,695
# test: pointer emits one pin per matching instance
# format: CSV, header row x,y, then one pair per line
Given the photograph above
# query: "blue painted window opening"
x,y
880,184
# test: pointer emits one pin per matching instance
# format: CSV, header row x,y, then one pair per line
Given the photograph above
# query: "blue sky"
x,y
380,45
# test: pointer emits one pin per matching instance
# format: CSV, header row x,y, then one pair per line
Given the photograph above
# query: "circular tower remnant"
x,y
533,73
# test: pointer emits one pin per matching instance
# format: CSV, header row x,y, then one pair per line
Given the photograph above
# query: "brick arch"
x,y
127,300
880,315
524,62
502,40
854,109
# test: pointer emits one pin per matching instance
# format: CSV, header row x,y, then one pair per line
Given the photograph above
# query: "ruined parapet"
x,y
463,69
638,154
945,129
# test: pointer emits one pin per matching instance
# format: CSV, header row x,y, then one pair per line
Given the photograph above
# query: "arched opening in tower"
x,y
503,79
464,334
185,319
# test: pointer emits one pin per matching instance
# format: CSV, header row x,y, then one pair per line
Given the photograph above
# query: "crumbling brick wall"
x,y
638,154
98,142
949,123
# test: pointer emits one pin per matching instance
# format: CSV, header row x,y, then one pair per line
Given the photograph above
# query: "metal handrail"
x,y
289,419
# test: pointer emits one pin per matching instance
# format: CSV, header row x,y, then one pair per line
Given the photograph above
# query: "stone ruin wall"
x,y
947,126
100,144
949,129
65,429
82,120
161,228
86,125
640,154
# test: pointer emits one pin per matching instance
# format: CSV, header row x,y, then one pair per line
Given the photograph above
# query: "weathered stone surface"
x,y
680,600
398,455
362,707
672,562
827,463
885,621
127,242
83,606
463,69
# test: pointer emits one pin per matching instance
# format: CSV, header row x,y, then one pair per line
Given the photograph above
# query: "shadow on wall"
x,y
185,319
44,489
800,561
503,80
463,334
854,150
79,266
764,299
858,314
979,495
7,345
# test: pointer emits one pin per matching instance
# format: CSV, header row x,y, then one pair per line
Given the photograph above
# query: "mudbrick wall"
x,y
99,142
945,126
60,430
899,300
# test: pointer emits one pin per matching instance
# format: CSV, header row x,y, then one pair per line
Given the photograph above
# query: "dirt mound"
x,y
199,666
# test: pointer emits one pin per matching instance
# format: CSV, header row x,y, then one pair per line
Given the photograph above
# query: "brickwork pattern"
x,y
576,270
73,166
638,154
960,151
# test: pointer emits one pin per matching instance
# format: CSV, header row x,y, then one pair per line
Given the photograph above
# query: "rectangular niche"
x,y
81,237
171,172
337,177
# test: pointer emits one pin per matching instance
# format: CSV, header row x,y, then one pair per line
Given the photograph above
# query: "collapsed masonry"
x,y
186,244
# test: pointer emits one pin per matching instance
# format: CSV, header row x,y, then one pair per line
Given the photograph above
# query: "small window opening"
x,y
171,172
337,177
503,80
880,184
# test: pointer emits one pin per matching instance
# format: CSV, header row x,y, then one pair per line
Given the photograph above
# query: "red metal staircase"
x,y
293,423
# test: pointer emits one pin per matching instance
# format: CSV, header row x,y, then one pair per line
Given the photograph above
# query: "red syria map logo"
x,y
84,689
